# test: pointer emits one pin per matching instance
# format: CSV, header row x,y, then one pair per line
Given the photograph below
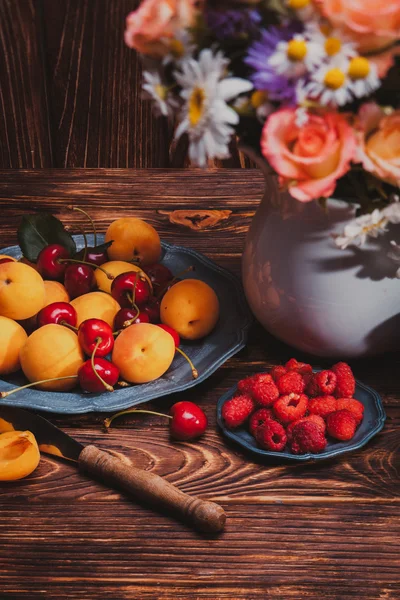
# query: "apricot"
x,y
115,268
19,455
96,305
191,307
55,292
133,238
12,338
52,351
143,352
25,261
22,291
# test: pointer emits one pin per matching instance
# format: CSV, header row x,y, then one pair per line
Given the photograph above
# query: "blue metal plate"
x,y
372,423
228,337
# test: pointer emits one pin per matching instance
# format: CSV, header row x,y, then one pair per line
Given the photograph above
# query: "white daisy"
x,y
180,46
335,47
392,213
301,116
394,254
296,57
206,116
157,91
363,75
357,231
330,85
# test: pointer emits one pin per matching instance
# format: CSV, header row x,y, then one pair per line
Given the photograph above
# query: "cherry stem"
x,y
195,372
85,262
85,241
28,385
66,324
90,219
108,387
134,292
172,281
109,420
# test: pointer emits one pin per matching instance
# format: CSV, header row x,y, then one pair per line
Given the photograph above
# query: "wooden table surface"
x,y
321,531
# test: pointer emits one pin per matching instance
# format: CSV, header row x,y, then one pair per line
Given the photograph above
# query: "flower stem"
x,y
109,420
107,386
28,385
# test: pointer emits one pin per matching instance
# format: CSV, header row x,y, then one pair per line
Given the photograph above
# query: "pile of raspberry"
x,y
293,407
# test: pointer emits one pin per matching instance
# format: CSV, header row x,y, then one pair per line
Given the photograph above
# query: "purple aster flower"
x,y
232,23
265,77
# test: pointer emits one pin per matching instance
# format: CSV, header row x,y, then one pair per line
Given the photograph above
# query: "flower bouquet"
x,y
311,85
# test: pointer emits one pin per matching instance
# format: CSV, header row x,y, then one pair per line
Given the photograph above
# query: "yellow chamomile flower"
x,y
157,91
304,9
180,46
363,75
335,47
296,57
330,85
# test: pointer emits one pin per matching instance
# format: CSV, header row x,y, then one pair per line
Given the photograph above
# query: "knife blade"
x,y
145,486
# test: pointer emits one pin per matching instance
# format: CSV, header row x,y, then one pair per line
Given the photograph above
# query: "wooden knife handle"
x,y
151,488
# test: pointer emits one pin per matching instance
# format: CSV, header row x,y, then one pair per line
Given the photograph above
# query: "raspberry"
x,y
352,405
322,406
311,418
307,437
291,382
277,372
299,367
341,425
261,388
259,418
346,384
322,383
237,410
271,436
291,407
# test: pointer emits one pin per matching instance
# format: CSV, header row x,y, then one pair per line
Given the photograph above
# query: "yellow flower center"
x,y
296,50
161,91
258,98
359,68
298,4
196,105
334,78
332,45
176,48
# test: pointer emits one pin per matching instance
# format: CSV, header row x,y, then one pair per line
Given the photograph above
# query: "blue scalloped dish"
x,y
228,337
372,423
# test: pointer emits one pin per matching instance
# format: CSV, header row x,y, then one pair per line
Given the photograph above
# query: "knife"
x,y
143,485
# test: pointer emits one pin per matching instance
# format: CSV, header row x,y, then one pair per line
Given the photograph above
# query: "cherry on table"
x,y
95,335
129,314
158,274
129,289
78,280
188,421
48,262
89,381
57,313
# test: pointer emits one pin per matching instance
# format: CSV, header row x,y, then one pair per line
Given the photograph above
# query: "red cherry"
x,y
158,274
130,288
152,309
172,332
127,314
57,312
5,260
88,379
93,255
48,262
78,280
164,289
94,332
188,421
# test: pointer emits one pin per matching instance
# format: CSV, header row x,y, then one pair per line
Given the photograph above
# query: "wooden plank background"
x,y
71,90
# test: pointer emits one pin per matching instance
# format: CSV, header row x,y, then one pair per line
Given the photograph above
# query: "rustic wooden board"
x,y
326,531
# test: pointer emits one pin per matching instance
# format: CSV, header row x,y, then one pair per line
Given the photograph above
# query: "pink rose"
x,y
379,142
308,159
154,20
373,24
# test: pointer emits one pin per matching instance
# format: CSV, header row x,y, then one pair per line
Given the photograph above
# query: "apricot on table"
x,y
22,291
12,338
143,352
55,292
52,351
115,268
19,455
96,305
191,307
133,239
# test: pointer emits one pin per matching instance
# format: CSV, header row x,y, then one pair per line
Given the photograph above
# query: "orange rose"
x,y
154,20
372,24
379,143
308,159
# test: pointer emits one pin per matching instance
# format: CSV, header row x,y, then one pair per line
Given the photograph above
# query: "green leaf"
x,y
39,230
